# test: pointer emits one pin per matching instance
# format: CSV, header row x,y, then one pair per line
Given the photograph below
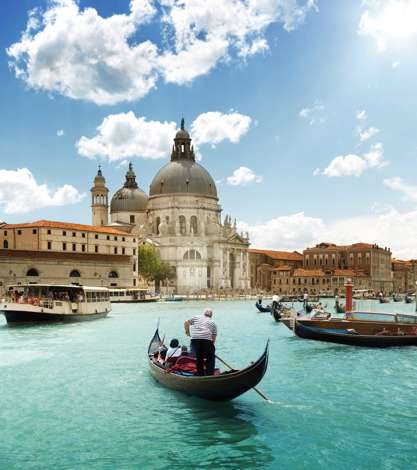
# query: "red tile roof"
x,y
67,226
280,255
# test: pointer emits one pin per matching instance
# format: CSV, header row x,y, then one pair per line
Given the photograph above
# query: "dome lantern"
x,y
129,198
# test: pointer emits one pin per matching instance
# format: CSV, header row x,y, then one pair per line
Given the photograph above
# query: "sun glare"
x,y
397,20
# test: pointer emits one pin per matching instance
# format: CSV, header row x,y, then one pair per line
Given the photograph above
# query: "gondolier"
x,y
203,333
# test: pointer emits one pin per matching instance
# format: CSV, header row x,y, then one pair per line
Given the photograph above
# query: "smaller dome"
x,y
182,134
99,179
129,198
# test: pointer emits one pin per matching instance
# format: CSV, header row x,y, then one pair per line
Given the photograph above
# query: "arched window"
x,y
32,272
192,255
113,274
5,244
158,222
75,273
183,225
193,225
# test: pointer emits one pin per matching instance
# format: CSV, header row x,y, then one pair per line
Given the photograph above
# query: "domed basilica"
x,y
182,218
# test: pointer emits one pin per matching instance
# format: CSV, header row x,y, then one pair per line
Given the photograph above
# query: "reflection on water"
x,y
219,435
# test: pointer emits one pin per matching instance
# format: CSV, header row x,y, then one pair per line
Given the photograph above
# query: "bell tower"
x,y
99,200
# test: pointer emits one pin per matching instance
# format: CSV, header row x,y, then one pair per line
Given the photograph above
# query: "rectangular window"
x,y
134,240
96,236
123,251
96,248
134,251
108,237
74,234
49,232
49,245
34,231
19,232
64,233
5,233
132,219
64,246
115,239
83,235
83,247
123,239
115,250
74,247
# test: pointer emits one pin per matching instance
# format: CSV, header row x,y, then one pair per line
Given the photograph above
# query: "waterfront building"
x,y
404,276
61,253
272,269
181,217
362,258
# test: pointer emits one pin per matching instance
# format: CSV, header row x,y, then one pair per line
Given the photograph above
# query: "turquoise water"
x,y
80,397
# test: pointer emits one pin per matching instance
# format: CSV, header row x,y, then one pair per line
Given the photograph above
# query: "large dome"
x,y
183,175
129,198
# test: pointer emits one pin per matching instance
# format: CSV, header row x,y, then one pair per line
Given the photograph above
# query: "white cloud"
x,y
368,133
361,115
314,114
76,52
408,191
243,176
60,132
20,192
354,165
391,228
124,135
317,172
389,20
214,127
395,64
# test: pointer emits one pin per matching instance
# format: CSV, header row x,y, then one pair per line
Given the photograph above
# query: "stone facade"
x,y
181,217
58,252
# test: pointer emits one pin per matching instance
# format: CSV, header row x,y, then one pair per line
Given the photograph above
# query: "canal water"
x,y
80,397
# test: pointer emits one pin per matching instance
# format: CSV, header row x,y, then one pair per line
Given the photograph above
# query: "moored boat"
x,y
221,387
352,338
367,323
33,303
408,299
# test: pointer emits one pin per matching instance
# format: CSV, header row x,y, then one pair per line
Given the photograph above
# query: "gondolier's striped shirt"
x,y
202,327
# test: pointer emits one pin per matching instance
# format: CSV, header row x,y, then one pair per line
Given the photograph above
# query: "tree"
x,y
151,267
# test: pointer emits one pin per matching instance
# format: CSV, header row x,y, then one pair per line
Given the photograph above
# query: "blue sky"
x,y
315,100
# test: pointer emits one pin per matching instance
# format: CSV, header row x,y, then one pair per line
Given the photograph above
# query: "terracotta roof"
x,y
333,247
284,255
300,272
67,226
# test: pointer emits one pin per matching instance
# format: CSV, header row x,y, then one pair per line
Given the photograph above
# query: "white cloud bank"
x,y
243,176
389,20
314,114
392,228
76,52
124,135
20,192
354,165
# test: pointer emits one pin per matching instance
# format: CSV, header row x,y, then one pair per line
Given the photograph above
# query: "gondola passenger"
x,y
174,351
203,332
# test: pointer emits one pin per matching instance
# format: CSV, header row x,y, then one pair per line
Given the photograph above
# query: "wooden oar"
x,y
256,390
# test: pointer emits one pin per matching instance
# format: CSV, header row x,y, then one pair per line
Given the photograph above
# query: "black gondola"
x,y
383,300
353,339
263,309
222,387
308,308
408,299
339,308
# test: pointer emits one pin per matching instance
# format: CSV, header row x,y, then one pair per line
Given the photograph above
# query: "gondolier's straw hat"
x,y
208,312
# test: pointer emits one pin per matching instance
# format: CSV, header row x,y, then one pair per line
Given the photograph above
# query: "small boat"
x,y
221,387
33,303
174,298
308,308
396,298
408,299
263,309
352,338
383,300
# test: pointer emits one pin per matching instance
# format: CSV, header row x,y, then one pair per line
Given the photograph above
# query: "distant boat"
x,y
383,300
349,337
263,309
340,308
221,387
174,298
132,295
33,303
396,298
408,299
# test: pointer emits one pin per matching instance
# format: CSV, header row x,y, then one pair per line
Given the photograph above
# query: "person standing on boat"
x,y
203,333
